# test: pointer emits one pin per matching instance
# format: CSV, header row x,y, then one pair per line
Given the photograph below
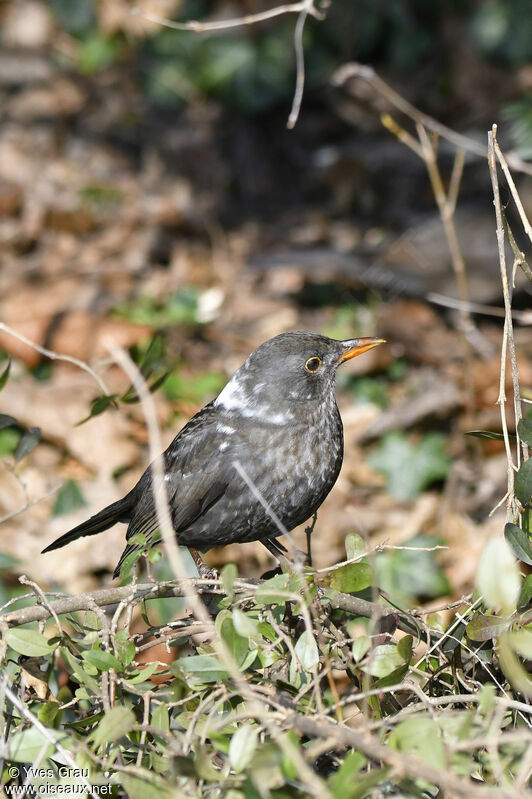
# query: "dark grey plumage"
x,y
278,418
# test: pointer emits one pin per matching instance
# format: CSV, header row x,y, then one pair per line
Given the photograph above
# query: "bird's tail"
x,y
117,512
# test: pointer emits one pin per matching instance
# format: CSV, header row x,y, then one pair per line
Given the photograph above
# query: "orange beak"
x,y
356,346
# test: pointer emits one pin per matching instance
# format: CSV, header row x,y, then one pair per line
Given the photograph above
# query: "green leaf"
x,y
409,468
48,713
307,651
421,735
521,642
345,781
7,421
404,647
68,499
116,723
519,543
103,661
351,578
524,428
244,624
5,374
395,677
526,592
237,644
8,561
138,788
274,591
410,574
360,647
160,718
361,787
28,441
487,434
355,546
125,647
242,747
28,642
144,674
99,405
383,660
498,578
523,483
26,746
204,668
79,672
486,699
484,628
228,576
514,670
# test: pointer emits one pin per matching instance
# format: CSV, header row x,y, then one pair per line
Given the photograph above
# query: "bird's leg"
x,y
204,571
308,531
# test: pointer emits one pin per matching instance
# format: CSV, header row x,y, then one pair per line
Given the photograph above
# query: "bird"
x,y
277,418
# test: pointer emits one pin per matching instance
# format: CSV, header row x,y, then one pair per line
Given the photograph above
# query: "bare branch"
x,y
404,764
238,22
54,356
369,75
508,338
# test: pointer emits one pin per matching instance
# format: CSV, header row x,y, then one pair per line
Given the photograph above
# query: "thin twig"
x,y
508,338
370,746
517,200
238,22
47,735
55,356
369,75
300,65
29,504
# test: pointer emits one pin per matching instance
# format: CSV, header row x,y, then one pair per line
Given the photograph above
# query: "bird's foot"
x,y
205,572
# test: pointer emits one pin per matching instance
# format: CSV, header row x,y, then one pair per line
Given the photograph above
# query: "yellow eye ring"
x,y
313,364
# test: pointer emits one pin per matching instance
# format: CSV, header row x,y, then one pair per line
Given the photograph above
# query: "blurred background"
x,y
152,195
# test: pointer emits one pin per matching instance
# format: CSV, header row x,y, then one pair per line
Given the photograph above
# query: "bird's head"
x,y
286,371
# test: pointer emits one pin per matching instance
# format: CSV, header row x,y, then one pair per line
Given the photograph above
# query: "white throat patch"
x,y
235,398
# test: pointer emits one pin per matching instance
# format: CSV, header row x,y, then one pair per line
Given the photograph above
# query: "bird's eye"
x,y
313,364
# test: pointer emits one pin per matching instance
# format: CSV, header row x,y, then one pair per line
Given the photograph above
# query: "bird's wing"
x,y
198,467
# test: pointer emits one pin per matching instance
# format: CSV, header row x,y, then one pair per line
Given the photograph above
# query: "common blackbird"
x,y
277,416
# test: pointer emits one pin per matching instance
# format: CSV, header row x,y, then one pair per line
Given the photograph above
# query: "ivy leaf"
x,y
409,468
